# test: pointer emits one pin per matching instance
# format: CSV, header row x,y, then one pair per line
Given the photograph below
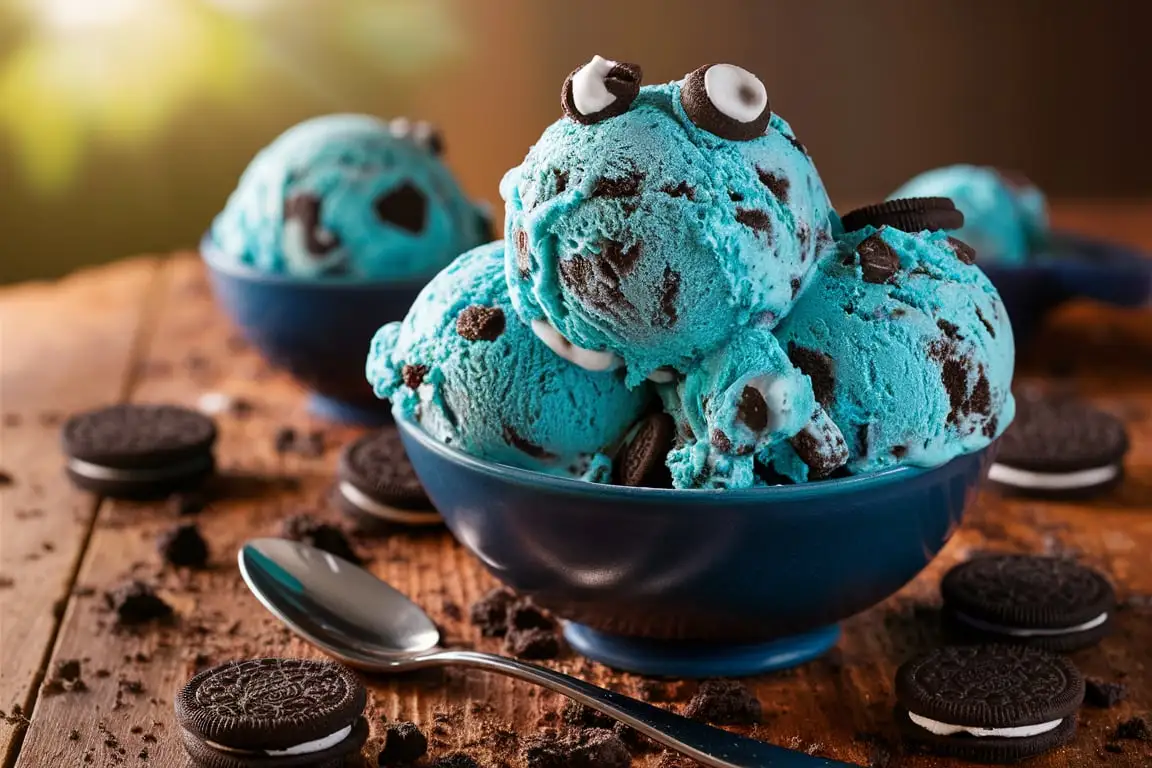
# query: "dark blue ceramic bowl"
x,y
317,330
697,583
1072,267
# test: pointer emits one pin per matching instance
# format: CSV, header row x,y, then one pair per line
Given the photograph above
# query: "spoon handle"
x,y
710,746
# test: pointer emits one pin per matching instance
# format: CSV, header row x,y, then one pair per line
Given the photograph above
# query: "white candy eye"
x,y
599,90
421,131
727,101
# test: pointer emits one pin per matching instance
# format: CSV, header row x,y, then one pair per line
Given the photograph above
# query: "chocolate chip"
x,y
520,443
595,280
1103,695
735,197
779,186
135,603
477,323
669,291
878,261
705,114
329,538
963,251
405,207
413,375
625,186
753,410
796,286
951,330
991,329
490,612
899,451
819,368
305,208
721,441
622,81
680,190
755,219
404,744
561,179
724,702
183,546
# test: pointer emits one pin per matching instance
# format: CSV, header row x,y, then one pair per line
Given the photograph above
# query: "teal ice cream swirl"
x,y
1005,215
349,197
908,346
649,241
464,366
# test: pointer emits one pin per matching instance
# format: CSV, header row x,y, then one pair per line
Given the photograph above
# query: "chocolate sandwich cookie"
x,y
1059,447
643,459
139,451
989,703
273,713
1045,602
909,214
377,486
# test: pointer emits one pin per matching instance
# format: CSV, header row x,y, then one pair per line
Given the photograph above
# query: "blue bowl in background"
x,y
697,583
1072,267
317,330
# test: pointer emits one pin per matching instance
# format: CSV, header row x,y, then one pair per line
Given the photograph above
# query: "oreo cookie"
x,y
272,713
1045,602
989,703
377,486
909,214
1059,447
641,461
139,451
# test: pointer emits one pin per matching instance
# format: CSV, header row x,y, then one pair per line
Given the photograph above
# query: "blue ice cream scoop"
x,y
349,197
741,402
908,346
649,225
1005,215
474,376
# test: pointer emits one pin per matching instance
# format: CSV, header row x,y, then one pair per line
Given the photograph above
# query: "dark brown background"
x,y
877,89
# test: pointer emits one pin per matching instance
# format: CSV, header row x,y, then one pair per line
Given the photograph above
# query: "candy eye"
x,y
421,132
727,101
599,90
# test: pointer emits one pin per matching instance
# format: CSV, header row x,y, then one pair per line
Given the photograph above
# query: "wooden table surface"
x,y
146,329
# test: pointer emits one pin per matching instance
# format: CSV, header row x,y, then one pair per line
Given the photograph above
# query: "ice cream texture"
x,y
909,349
1005,215
650,242
349,197
475,377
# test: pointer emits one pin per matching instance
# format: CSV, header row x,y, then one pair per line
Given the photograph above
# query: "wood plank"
x,y
64,346
839,706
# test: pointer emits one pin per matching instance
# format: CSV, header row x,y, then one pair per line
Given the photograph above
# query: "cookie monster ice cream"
x,y
349,197
1005,215
907,343
464,366
651,224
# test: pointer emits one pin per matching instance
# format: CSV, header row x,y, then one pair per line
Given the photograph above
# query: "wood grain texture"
x,y
839,706
49,367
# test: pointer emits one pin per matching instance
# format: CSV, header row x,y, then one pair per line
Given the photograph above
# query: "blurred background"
x,y
125,123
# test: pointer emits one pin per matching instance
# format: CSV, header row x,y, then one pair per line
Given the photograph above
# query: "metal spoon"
x,y
350,614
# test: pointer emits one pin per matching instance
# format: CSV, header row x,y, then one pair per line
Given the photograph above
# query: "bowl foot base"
x,y
676,658
370,415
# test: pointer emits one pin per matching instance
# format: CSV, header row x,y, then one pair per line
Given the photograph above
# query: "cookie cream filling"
x,y
100,472
947,729
1024,632
372,507
307,748
588,359
1053,481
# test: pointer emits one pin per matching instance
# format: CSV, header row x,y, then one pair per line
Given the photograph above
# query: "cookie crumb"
x,y
724,702
404,743
188,503
1133,729
74,735
135,602
456,760
533,643
183,545
1102,694
330,538
5,479
490,612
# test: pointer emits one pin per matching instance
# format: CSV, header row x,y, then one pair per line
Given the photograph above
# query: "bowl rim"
x,y
213,256
854,484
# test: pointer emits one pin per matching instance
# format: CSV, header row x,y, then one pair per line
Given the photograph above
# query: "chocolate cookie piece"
x,y
135,602
138,451
262,713
910,214
1045,602
377,486
641,462
1103,695
328,538
724,702
480,323
490,612
990,703
1059,447
183,545
404,744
